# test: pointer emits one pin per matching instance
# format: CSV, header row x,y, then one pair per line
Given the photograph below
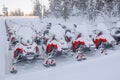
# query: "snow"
x,y
106,33
25,32
103,68
84,29
57,31
2,49
118,24
96,67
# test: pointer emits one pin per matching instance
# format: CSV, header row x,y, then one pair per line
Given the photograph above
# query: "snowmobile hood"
x,y
26,32
58,31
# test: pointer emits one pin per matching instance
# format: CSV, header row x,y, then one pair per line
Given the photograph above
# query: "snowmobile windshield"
x,y
26,42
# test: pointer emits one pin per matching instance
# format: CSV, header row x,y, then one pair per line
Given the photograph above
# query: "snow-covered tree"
x,y
5,11
37,10
66,9
19,12
89,8
16,12
56,7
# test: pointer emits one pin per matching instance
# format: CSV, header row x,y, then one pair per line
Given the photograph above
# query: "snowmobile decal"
x,y
98,41
50,47
76,44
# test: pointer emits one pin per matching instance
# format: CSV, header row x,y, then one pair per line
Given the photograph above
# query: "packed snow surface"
x,y
101,68
2,49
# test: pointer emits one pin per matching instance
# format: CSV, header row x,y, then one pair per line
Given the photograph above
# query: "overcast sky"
x,y
24,5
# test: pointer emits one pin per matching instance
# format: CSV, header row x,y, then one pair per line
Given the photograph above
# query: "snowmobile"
x,y
50,52
53,49
59,32
56,44
26,49
80,48
78,42
24,52
100,41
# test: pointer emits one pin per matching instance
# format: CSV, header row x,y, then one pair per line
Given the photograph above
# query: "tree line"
x,y
66,8
88,8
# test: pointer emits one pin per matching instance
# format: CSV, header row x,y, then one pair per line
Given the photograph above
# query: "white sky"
x,y
24,5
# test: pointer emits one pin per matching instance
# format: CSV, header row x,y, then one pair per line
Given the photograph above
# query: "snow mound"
x,y
3,49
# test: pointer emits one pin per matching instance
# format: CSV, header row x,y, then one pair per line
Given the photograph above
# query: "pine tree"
x,y
37,8
66,9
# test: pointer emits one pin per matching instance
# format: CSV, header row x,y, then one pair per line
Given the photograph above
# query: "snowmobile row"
x,y
57,40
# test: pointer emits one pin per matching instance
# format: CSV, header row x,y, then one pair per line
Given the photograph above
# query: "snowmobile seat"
x,y
85,49
117,38
117,32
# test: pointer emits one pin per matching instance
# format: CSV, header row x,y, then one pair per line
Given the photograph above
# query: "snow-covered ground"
x,y
3,49
96,67
100,68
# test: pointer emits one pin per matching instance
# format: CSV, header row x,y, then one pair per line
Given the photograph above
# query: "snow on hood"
x,y
26,33
84,29
106,33
58,31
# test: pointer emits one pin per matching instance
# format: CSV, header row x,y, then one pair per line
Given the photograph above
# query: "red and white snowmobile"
x,y
80,42
102,38
101,41
56,44
59,32
50,51
53,49
26,50
80,48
